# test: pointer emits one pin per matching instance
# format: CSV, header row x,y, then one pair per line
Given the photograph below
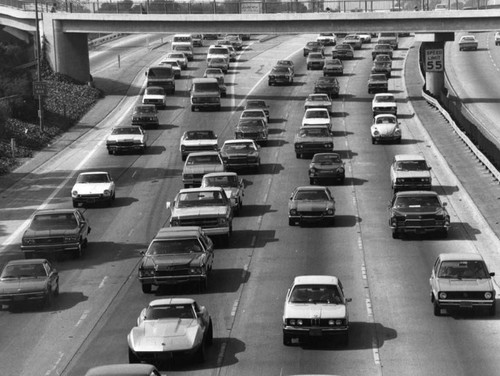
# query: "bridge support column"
x,y
433,59
67,53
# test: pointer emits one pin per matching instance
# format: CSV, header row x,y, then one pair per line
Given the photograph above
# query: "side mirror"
x,y
445,203
348,300
145,73
429,168
168,204
142,253
492,274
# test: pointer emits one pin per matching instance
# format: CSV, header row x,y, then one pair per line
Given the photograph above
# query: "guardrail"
x,y
226,7
473,128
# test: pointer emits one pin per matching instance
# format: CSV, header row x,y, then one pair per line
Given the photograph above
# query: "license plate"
x,y
315,333
17,298
465,305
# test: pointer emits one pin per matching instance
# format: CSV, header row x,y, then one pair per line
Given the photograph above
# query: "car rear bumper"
x,y
51,247
173,279
22,297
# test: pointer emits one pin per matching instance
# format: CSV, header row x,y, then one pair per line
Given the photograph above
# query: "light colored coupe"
x,y
199,140
170,327
385,127
127,138
232,185
93,187
320,100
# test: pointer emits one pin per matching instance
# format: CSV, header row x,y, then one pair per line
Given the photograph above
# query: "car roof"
x,y
383,95
94,173
55,211
121,370
385,116
178,232
316,279
214,174
409,157
200,189
311,188
321,154
239,141
170,301
27,262
199,153
316,109
416,193
462,256
205,80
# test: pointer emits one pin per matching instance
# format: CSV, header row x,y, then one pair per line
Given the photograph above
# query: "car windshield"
x,y
174,247
177,56
23,271
463,269
202,159
416,202
385,120
251,123
145,110
200,135
171,311
284,62
327,81
200,198
411,166
280,69
314,132
315,114
310,195
326,158
323,294
59,221
384,98
126,130
383,47
319,98
316,56
229,181
154,91
378,77
93,178
243,147
256,104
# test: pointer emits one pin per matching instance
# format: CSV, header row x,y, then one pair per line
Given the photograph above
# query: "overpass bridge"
x,y
65,35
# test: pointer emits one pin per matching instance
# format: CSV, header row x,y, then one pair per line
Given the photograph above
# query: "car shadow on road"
x,y
255,210
62,302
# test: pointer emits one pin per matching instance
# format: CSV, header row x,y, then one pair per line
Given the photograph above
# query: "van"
x,y
205,93
180,39
389,38
217,51
161,75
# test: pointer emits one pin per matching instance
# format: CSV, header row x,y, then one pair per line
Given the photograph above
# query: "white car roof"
x,y
409,157
316,279
461,256
170,301
93,173
240,141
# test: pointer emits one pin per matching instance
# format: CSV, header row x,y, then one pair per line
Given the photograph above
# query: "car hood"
x,y
22,285
199,211
455,284
91,187
165,335
164,261
384,129
313,104
203,169
326,311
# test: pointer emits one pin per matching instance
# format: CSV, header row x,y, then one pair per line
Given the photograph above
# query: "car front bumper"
x,y
124,148
315,332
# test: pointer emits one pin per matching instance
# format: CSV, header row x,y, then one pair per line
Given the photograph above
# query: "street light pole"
x,y
38,72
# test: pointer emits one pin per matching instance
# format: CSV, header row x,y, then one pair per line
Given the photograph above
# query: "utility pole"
x,y
39,87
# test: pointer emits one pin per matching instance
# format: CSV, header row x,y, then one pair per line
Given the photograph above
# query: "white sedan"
x,y
316,117
93,187
155,95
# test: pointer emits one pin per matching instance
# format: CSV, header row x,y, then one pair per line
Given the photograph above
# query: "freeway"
x,y
394,331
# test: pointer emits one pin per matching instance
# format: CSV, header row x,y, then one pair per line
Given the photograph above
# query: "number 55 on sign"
x,y
434,60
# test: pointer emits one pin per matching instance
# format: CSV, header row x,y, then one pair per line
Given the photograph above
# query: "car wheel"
x,y
77,253
75,204
56,291
210,334
110,151
297,155
183,157
345,339
444,233
203,285
437,309
132,358
200,354
395,234
291,222
287,340
311,181
374,141
193,108
146,288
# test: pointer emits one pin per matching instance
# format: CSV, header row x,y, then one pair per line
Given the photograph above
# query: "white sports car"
x,y
170,327
93,187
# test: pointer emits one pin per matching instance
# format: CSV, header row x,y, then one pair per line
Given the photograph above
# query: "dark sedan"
x,y
326,166
327,85
56,230
23,281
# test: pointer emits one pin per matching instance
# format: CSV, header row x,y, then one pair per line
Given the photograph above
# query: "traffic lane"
x,y
399,270
471,74
239,237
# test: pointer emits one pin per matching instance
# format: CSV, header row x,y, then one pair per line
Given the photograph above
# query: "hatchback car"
x,y
311,204
92,188
325,166
462,281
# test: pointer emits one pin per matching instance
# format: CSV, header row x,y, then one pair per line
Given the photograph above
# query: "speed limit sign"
x,y
434,60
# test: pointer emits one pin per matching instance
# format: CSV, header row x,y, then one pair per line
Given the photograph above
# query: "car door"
x,y
52,275
209,248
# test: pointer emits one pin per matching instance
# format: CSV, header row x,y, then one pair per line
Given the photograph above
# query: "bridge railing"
x,y
230,6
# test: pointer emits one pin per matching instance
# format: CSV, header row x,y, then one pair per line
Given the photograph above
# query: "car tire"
x,y
345,339
395,234
146,288
132,358
193,108
210,334
75,204
374,141
298,155
201,353
56,291
291,222
437,308
311,181
78,253
203,285
287,339
444,233
110,152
